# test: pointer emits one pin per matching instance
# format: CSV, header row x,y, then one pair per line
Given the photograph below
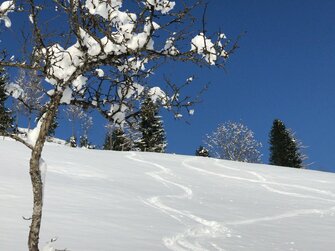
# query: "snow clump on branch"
x,y
5,8
204,46
14,90
163,6
126,46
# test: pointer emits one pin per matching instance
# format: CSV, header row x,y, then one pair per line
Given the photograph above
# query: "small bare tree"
x,y
29,103
86,125
75,115
99,54
234,141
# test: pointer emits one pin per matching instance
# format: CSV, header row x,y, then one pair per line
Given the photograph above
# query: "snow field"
x,y
105,200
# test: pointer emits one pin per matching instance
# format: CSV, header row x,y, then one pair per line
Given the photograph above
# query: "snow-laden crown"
x,y
109,35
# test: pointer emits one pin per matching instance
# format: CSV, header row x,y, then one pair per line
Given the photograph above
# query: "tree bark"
x,y
35,173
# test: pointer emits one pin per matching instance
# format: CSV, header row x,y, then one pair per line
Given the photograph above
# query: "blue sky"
x,y
283,69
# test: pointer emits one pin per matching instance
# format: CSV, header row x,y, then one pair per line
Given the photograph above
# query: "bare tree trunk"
x,y
35,174
29,120
17,120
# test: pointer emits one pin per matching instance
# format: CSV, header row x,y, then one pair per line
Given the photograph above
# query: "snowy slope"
x,y
104,200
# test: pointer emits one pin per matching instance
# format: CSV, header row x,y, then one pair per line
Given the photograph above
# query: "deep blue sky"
x,y
283,69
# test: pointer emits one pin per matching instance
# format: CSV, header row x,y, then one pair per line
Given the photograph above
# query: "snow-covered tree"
x,y
85,142
100,54
75,115
234,141
72,141
108,142
202,151
116,140
79,118
29,103
86,124
122,138
151,126
284,147
6,120
133,133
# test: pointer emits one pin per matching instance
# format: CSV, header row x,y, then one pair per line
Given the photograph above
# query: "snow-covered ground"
x,y
104,200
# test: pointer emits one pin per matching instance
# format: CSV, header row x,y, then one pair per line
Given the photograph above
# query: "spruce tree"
x,y
72,141
83,141
117,140
108,142
6,120
202,151
151,126
284,149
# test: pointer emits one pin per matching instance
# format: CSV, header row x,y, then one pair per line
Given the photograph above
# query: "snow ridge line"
x,y
205,228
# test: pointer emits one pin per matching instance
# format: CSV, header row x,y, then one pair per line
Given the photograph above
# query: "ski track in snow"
x,y
298,195
72,170
290,214
309,189
207,230
265,184
204,228
200,231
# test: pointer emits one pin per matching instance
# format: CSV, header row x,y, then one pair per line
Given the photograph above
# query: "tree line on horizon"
x,y
147,135
235,141
231,140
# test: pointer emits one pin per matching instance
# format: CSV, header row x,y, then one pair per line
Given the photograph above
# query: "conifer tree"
x,y
6,120
151,126
202,151
284,148
108,142
117,140
84,142
72,141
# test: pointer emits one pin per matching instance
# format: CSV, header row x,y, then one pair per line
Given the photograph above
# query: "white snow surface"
x,y
105,200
